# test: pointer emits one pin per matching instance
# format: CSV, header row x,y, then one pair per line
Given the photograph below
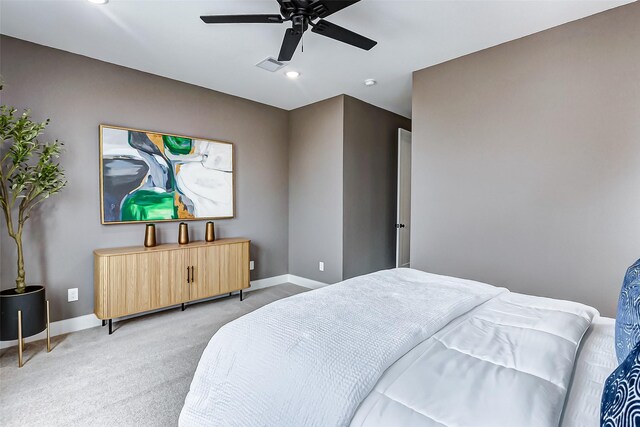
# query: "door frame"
x,y
399,222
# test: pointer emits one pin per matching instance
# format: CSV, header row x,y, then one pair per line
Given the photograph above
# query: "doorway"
x,y
403,222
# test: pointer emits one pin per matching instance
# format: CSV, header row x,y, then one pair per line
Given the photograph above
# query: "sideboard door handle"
x,y
193,276
188,281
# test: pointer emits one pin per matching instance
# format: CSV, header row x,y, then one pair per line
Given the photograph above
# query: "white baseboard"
x,y
285,278
91,321
307,283
59,328
268,282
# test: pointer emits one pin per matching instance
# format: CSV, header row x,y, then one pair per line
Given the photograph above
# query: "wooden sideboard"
x,y
137,279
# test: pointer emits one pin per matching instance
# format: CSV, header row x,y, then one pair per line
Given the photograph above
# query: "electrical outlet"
x,y
321,266
251,265
72,294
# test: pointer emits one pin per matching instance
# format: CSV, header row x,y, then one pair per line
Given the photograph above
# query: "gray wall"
x,y
315,190
526,161
78,94
342,188
370,187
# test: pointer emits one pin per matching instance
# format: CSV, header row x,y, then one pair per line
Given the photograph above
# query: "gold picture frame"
x,y
123,158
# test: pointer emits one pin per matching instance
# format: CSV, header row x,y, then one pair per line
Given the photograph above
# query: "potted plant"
x,y
29,175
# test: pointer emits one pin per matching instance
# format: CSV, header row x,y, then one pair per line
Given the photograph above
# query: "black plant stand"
x,y
23,315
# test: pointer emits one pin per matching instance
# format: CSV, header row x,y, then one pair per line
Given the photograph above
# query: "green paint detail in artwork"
x,y
176,145
147,205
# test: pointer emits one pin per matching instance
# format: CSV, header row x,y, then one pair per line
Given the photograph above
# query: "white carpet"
x,y
139,376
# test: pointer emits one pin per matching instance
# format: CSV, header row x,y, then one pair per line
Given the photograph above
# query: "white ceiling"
x,y
167,38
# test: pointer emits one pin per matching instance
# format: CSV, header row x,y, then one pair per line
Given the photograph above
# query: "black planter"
x,y
34,312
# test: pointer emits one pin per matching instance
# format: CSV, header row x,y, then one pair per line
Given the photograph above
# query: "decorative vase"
x,y
33,305
209,234
150,236
183,233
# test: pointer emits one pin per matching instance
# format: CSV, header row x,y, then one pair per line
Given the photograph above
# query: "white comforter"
x,y
507,363
312,359
309,360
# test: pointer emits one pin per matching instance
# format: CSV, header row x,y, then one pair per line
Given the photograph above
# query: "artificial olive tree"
x,y
29,173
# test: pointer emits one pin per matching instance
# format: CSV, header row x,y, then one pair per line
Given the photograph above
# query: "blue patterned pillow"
x,y
621,396
628,318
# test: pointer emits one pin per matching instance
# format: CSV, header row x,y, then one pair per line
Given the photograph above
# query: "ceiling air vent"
x,y
270,64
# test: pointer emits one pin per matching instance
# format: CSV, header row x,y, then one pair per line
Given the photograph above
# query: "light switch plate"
x,y
321,266
72,294
251,265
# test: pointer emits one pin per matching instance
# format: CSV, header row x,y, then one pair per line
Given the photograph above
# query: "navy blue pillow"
x,y
628,317
621,396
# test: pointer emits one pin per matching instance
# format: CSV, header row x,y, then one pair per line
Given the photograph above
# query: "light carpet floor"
x,y
139,376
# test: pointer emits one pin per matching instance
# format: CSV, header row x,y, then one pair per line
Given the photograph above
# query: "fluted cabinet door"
x,y
129,281
146,281
172,287
234,267
206,272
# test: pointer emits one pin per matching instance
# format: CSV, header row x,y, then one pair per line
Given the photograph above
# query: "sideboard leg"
x,y
110,326
104,322
183,306
241,297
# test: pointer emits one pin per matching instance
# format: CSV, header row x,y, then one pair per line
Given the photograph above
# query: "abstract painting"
x,y
149,176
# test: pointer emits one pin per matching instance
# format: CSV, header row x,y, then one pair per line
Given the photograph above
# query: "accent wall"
x,y
78,94
525,162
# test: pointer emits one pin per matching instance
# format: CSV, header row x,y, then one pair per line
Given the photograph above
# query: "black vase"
x,y
33,304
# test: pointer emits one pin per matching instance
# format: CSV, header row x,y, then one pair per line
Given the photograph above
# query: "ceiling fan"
x,y
302,14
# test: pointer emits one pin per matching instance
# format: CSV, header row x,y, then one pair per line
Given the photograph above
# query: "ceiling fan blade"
x,y
324,8
285,3
242,19
327,29
289,45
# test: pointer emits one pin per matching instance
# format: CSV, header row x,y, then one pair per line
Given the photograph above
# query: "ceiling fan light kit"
x,y
302,14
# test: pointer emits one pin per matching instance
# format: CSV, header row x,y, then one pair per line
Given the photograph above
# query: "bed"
x,y
404,347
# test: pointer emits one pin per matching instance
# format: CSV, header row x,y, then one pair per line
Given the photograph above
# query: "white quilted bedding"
x,y
507,363
310,360
463,353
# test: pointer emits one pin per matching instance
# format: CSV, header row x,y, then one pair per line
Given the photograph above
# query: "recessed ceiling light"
x,y
98,1
370,82
292,74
